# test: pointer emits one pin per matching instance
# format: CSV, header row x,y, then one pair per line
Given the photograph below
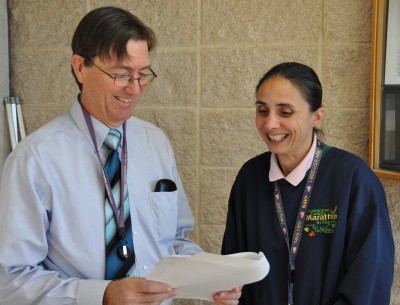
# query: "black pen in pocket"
x,y
165,185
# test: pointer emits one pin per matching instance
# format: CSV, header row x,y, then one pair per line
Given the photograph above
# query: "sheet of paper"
x,y
201,275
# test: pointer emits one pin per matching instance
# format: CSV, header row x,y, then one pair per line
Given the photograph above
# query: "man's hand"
x,y
230,297
133,291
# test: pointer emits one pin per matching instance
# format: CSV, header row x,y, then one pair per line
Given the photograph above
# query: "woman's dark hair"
x,y
301,76
304,78
105,32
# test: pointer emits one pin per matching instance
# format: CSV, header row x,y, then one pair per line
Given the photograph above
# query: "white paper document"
x,y
201,275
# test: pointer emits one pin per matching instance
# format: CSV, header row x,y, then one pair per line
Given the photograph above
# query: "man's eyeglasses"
x,y
122,81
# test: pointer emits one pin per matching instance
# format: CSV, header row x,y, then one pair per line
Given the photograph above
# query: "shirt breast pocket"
x,y
164,208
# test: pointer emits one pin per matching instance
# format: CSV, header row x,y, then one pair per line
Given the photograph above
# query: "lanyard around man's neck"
x,y
119,218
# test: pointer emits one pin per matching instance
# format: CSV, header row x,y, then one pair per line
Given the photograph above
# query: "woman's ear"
x,y
77,63
318,116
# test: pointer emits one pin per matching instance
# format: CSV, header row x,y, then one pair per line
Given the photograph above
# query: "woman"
x,y
318,213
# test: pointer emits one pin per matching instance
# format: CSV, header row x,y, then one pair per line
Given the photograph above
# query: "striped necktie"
x,y
117,262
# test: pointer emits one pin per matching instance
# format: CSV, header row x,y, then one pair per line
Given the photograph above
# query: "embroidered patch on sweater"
x,y
320,221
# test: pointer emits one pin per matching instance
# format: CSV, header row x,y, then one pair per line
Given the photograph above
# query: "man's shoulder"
x,y
50,131
62,122
140,125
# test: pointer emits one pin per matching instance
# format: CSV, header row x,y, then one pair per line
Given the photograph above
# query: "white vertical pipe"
x,y
20,121
14,119
10,125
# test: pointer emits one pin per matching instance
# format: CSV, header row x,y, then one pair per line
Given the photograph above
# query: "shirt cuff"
x,y
91,292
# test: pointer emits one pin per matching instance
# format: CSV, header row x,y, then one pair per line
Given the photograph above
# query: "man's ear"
x,y
78,67
318,116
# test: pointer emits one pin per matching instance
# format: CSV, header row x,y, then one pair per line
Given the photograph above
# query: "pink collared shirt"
x,y
297,175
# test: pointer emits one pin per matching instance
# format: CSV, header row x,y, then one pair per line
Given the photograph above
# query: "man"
x,y
61,213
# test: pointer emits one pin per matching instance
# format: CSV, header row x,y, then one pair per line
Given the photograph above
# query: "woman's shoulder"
x,y
253,170
259,160
343,160
333,152
256,166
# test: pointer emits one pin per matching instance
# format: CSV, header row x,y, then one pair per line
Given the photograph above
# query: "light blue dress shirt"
x,y
52,245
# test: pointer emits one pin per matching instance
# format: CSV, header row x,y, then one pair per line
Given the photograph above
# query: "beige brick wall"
x,y
210,56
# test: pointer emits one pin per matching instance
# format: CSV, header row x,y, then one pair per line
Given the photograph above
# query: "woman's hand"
x,y
230,297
